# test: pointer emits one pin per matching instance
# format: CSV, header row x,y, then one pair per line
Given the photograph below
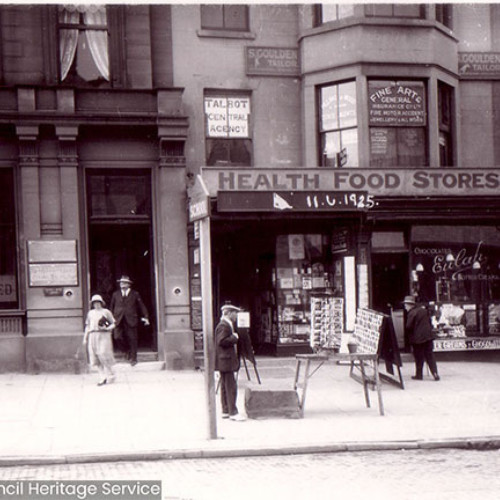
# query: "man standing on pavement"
x,y
419,328
126,305
227,362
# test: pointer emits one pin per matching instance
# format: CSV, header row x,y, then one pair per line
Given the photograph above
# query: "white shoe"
x,y
225,415
237,418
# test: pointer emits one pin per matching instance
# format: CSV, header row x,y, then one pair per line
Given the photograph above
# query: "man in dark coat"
x,y
227,362
126,305
419,328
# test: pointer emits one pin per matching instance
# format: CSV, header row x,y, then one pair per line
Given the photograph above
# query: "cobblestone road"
x,y
422,475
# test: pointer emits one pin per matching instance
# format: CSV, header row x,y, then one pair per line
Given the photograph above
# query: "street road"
x,y
422,475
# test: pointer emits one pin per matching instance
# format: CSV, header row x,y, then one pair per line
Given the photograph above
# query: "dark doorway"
x,y
120,239
390,282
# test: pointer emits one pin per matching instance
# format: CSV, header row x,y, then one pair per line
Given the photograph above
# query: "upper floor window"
x,y
338,125
228,138
83,44
398,123
395,10
224,17
326,12
445,114
444,13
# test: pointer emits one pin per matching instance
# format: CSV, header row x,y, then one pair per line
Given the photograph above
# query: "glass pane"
x,y
235,17
383,151
347,105
240,152
86,67
330,146
211,17
8,257
328,108
125,195
411,147
328,12
349,140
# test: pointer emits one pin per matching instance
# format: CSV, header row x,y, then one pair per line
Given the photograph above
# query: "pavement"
x,y
151,413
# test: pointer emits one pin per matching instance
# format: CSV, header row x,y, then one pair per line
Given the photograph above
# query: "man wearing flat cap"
x,y
419,328
227,362
127,306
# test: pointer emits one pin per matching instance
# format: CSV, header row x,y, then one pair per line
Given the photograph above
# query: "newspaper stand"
x,y
367,333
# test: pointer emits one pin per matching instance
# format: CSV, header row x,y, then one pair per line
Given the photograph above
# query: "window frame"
x,y
445,115
318,15
228,142
323,132
370,10
397,129
224,26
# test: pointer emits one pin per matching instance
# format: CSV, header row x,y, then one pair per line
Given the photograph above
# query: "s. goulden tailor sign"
x,y
479,65
389,182
277,61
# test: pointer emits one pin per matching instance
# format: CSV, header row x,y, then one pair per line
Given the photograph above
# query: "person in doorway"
x,y
419,328
227,362
126,306
98,327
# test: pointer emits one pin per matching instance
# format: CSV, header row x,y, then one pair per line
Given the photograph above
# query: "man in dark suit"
x,y
126,305
227,362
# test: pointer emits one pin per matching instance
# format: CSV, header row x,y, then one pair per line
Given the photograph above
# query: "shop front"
x,y
302,250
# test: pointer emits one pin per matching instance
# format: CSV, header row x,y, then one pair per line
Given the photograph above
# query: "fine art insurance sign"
x,y
346,181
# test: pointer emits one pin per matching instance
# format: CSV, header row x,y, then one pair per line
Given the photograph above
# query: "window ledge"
x,y
243,35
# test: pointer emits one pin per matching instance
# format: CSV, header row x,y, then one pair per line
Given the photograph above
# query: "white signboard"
x,y
227,116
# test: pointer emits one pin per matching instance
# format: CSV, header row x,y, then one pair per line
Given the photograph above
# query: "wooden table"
x,y
360,360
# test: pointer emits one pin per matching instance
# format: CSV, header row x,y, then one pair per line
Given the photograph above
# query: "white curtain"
x,y
98,40
68,41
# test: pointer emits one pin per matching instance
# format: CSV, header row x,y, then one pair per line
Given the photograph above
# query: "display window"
x,y
309,288
456,270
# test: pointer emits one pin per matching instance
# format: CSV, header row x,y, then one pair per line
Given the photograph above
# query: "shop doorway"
x,y
390,282
120,239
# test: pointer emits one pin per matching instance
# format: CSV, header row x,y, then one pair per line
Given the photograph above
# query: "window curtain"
x,y
68,41
98,40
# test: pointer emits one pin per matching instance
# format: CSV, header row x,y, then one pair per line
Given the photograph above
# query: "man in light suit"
x,y
227,362
126,305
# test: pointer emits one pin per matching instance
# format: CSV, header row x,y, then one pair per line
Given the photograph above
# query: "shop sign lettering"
x,y
479,64
7,288
466,344
391,182
396,103
227,116
272,61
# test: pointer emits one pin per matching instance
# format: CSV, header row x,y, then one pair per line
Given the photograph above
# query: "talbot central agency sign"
x,y
369,182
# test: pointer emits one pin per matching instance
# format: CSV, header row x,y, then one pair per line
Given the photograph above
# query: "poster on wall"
x,y
227,116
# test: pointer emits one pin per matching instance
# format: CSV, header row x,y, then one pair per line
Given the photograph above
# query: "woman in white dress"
x,y
98,327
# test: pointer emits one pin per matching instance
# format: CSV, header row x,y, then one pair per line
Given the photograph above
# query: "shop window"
x,y
228,140
8,255
445,114
326,12
224,17
444,13
338,125
83,44
395,10
398,123
457,269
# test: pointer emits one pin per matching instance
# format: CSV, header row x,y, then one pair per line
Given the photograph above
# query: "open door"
x,y
120,239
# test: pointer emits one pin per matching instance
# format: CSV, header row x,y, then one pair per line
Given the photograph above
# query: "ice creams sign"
x,y
227,116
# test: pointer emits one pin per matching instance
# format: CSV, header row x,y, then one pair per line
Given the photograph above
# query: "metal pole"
x,y
208,325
